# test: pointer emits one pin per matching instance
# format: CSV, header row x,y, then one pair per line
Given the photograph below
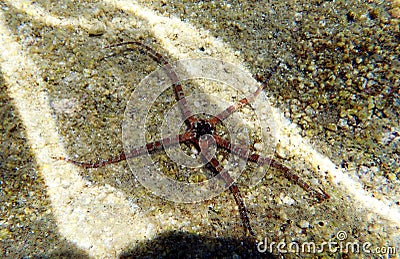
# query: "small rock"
x,y
96,29
332,127
303,224
258,146
288,200
391,176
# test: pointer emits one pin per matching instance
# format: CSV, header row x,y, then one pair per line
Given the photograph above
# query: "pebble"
x,y
303,224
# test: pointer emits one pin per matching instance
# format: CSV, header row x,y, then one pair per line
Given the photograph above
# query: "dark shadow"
x,y
64,254
176,244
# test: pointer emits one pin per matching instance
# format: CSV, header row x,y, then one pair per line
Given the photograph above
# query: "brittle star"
x,y
199,132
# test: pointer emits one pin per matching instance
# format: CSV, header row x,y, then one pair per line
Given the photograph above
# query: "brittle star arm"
x,y
135,152
247,100
180,95
218,169
243,152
